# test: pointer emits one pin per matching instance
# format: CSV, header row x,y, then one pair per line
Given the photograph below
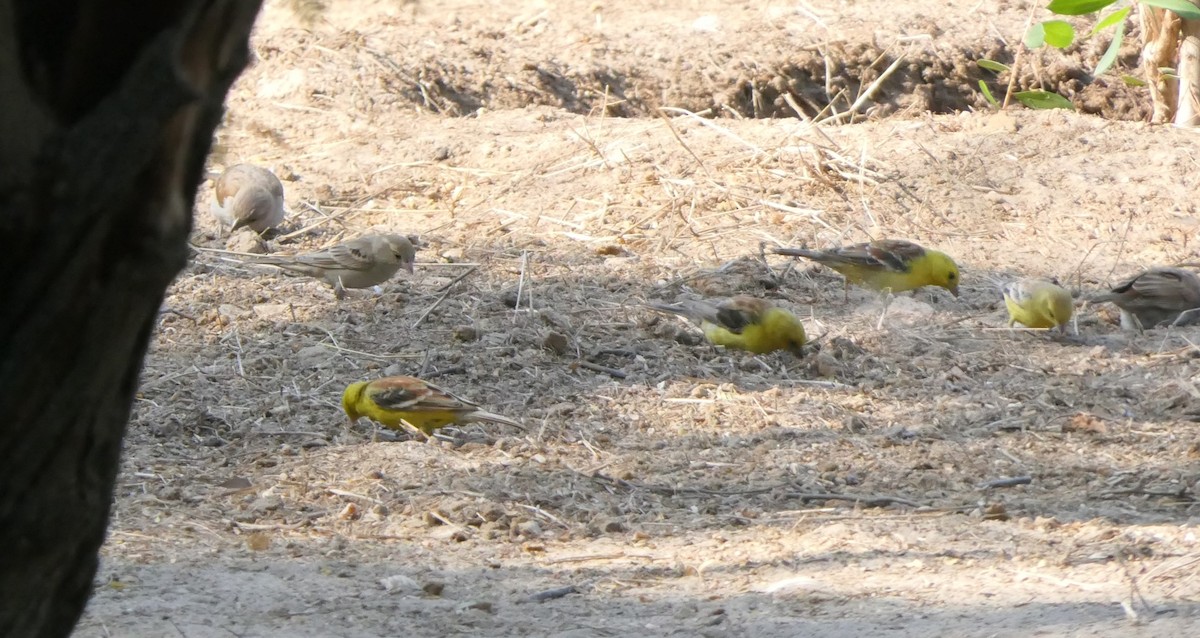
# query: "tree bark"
x,y
1170,42
1160,38
1188,109
107,109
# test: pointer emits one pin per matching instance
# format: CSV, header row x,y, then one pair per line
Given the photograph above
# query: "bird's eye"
x,y
952,276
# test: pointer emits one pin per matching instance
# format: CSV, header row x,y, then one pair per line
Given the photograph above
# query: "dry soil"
x,y
566,162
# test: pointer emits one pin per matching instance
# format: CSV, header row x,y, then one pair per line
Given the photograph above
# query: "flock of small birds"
x,y
252,197
248,196
1155,297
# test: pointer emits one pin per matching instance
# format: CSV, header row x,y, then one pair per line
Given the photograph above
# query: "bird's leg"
x,y
338,290
845,291
716,351
887,302
723,358
762,257
414,430
762,364
1137,322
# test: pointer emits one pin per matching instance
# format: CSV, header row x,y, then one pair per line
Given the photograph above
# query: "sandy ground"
x,y
662,487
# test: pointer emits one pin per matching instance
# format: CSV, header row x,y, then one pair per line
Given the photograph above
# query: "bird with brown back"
x,y
423,405
1156,296
250,196
892,265
743,322
359,263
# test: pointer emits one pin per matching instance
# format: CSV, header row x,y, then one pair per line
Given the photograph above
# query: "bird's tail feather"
x,y
697,311
492,417
286,263
672,309
797,252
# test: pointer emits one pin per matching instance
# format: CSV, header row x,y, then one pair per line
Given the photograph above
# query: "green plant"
x,y
1060,34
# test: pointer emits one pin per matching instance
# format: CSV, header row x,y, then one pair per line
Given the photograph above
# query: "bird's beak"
x,y
408,265
954,291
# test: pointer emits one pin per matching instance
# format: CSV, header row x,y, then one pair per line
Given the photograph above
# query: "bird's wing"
x,y
885,254
1020,291
397,394
1015,291
698,311
896,255
356,254
738,313
414,395
1161,287
893,255
733,314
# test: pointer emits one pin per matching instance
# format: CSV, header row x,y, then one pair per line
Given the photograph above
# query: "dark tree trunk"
x,y
107,109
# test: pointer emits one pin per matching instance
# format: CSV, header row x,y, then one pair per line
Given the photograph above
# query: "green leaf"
x,y
1110,55
1059,34
1129,80
1035,37
1185,9
1043,100
987,94
992,65
1110,19
1077,7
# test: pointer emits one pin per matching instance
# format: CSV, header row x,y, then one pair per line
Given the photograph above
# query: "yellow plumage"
x,y
421,404
886,264
1037,303
744,323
